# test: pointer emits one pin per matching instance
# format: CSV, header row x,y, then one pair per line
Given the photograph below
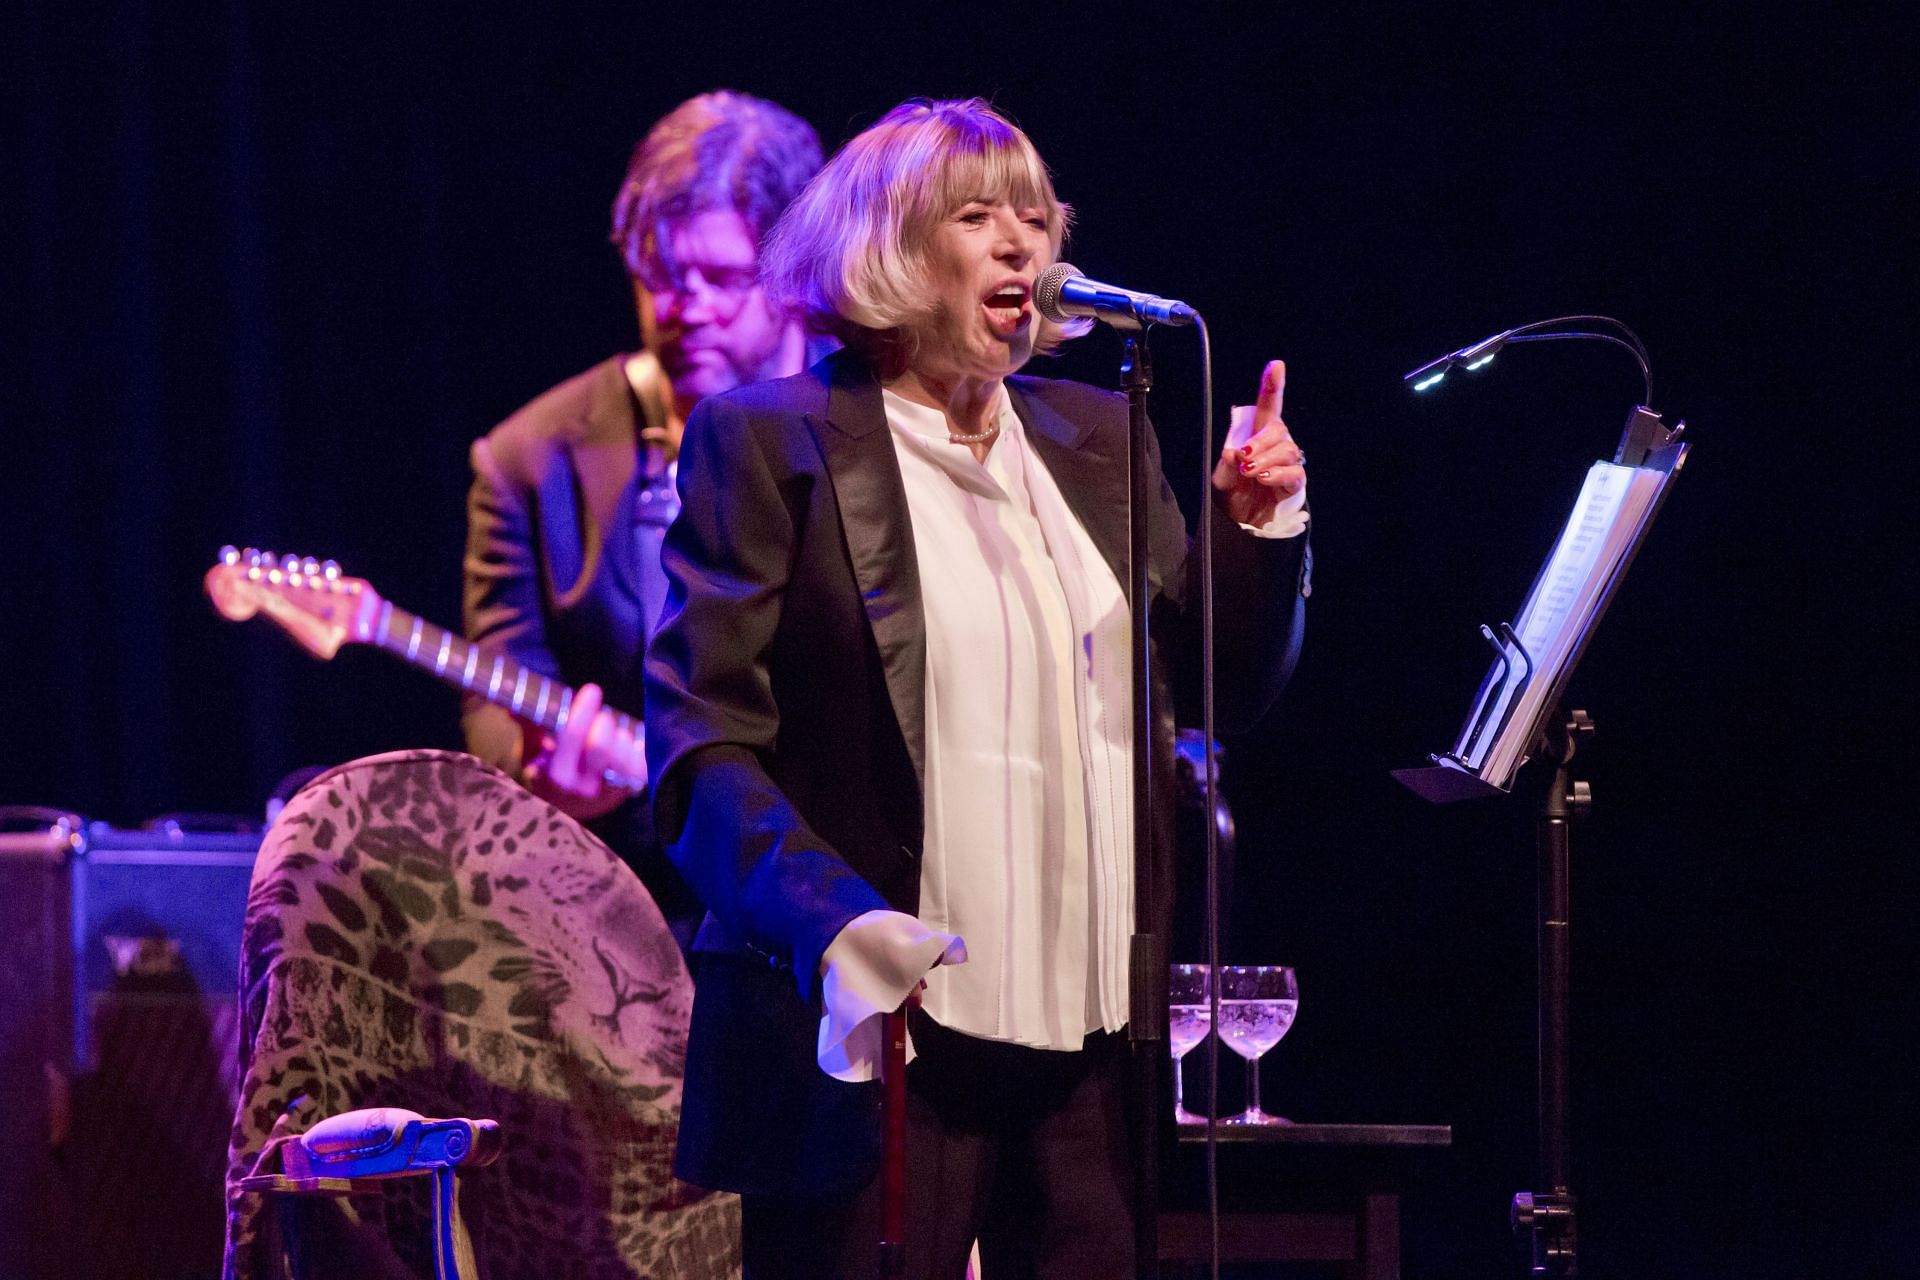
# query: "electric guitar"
x,y
323,609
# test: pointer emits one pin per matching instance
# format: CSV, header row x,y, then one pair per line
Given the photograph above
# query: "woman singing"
x,y
888,722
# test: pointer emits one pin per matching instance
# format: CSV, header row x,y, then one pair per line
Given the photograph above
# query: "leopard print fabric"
x,y
422,932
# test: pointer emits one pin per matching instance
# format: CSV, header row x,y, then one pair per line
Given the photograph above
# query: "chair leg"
x,y
452,1246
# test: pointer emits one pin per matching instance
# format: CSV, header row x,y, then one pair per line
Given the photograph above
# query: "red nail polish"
x,y
1246,451
1265,474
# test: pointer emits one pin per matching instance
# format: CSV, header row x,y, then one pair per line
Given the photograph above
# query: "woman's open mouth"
x,y
1006,309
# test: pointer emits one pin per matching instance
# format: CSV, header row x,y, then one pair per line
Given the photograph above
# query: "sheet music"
x,y
1579,550
1613,503
1537,652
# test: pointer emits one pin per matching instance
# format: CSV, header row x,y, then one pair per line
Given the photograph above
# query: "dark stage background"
x,y
272,267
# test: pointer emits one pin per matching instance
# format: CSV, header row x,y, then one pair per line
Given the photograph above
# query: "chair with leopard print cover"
x,y
423,933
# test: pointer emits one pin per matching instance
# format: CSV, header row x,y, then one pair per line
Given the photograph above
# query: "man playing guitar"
x,y
573,493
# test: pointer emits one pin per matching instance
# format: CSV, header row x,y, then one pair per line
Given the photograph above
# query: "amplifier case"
x,y
121,1040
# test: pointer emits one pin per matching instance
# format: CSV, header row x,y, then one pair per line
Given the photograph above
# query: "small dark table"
x,y
1324,1193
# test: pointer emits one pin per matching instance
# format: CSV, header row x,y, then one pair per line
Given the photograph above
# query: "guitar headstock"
x,y
311,599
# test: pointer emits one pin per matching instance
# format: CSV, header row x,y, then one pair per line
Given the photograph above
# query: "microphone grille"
x,y
1046,291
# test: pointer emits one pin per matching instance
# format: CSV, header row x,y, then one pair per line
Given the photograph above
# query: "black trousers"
x,y
1024,1149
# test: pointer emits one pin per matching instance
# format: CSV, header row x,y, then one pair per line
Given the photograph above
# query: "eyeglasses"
x,y
725,287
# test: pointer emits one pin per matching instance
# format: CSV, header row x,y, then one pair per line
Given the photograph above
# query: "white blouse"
x,y
1029,804
1028,767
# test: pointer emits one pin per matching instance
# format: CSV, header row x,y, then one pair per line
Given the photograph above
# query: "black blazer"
x,y
785,720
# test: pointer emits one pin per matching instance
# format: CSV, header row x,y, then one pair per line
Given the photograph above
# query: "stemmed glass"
x,y
1189,1016
1257,1004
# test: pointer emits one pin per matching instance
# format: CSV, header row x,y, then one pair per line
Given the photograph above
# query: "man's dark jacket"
x,y
554,576
785,721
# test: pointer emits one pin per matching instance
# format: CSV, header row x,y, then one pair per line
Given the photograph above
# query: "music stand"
x,y
1518,714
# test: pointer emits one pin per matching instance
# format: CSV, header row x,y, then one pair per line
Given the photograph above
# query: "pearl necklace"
x,y
954,437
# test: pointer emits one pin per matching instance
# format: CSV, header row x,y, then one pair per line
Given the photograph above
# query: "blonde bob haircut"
x,y
850,251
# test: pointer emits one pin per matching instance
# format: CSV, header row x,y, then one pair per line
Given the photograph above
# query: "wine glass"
x,y
1189,1016
1257,1004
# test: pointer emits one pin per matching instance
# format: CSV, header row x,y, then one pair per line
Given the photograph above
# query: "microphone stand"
x,y
1147,957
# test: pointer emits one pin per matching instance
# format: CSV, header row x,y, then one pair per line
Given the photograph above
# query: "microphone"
x,y
1062,293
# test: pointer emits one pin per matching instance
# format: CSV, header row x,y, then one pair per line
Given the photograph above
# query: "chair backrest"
x,y
424,933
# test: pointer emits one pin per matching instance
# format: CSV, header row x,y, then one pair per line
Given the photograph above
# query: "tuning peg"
x,y
310,567
254,556
229,555
329,569
290,563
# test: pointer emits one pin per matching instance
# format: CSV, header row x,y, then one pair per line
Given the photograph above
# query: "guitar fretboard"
x,y
494,676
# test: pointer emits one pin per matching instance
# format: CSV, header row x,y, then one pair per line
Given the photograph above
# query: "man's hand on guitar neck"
x,y
591,766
